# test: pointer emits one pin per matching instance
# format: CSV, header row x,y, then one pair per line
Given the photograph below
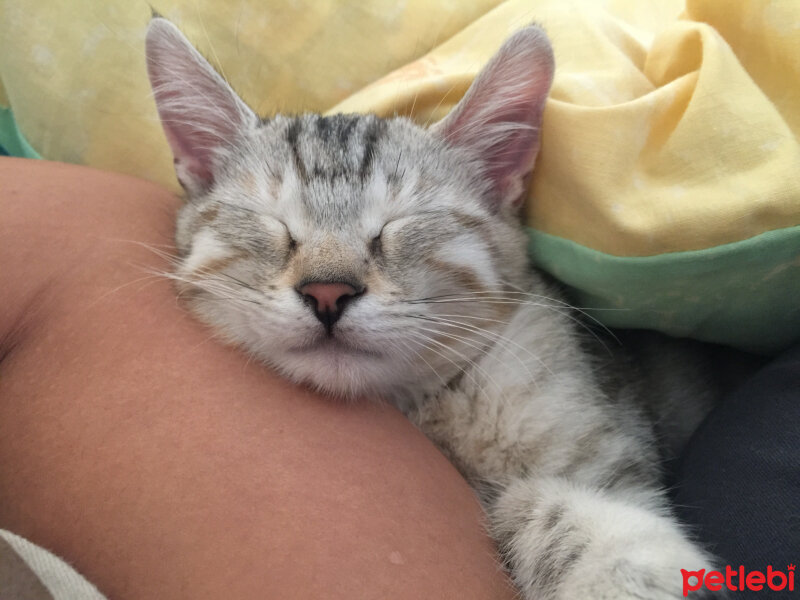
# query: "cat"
x,y
368,256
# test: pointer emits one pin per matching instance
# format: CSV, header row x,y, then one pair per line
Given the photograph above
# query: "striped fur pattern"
x,y
452,324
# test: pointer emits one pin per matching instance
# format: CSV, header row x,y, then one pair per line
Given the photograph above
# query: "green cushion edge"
x,y
745,294
11,138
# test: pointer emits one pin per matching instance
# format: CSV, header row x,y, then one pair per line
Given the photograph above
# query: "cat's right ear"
x,y
199,111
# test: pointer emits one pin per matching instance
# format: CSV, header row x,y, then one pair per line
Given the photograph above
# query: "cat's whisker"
x,y
501,341
151,278
214,286
484,293
581,309
400,349
214,336
219,274
507,342
424,340
489,293
501,300
170,276
148,245
466,341
171,258
497,296
423,359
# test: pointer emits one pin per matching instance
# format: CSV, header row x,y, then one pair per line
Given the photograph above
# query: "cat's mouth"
x,y
334,345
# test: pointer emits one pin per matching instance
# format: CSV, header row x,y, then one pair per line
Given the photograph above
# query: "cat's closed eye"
x,y
292,242
278,234
376,243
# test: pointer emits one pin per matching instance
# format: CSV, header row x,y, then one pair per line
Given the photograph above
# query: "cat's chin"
x,y
339,370
334,349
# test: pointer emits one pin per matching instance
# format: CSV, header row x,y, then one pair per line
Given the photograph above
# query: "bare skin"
x,y
161,464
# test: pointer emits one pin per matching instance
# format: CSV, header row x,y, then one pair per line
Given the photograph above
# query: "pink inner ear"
x,y
200,113
190,157
514,141
499,119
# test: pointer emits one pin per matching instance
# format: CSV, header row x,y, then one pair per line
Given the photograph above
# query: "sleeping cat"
x,y
370,256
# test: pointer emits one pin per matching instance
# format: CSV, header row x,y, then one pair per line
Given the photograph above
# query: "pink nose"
x,y
328,299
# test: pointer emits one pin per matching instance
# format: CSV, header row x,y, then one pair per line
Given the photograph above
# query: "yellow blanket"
x,y
668,185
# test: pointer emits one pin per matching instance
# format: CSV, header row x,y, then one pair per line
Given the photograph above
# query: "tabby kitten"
x,y
370,256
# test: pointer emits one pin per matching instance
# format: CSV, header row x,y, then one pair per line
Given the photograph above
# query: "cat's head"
x,y
351,252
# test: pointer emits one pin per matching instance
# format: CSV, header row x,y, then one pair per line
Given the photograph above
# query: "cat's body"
x,y
369,256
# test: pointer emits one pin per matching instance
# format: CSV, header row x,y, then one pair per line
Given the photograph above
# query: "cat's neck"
x,y
538,315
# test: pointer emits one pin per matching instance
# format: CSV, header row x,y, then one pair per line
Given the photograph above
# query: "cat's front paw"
x,y
663,569
563,541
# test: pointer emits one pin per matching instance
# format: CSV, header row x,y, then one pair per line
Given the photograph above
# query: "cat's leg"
x,y
566,541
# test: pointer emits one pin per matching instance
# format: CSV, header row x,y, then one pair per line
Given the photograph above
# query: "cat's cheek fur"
x,y
206,249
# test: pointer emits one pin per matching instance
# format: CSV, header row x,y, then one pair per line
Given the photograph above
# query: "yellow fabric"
x,y
670,126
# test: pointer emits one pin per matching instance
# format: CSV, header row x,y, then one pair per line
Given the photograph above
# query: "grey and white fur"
x,y
366,256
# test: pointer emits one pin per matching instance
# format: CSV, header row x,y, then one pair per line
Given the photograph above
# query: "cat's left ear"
x,y
499,119
201,115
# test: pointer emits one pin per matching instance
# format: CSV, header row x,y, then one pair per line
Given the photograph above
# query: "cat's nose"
x,y
328,299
